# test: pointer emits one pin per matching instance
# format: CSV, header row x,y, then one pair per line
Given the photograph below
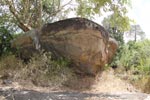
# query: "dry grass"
x,y
108,82
41,70
140,80
143,84
44,72
147,86
10,62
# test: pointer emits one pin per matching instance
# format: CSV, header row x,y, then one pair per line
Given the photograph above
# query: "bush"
x,y
135,59
118,36
5,41
44,71
10,62
40,70
136,55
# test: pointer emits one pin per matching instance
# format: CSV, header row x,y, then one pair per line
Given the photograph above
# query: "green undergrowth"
x,y
133,63
41,70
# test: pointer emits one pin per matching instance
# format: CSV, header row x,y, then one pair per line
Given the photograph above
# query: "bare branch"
x,y
60,8
66,4
14,12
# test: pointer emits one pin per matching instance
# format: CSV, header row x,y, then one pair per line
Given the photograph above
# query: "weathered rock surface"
x,y
112,48
84,42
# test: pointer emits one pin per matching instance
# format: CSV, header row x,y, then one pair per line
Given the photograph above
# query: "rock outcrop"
x,y
112,48
85,43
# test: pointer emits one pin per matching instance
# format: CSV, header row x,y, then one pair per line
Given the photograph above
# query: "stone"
x,y
84,42
112,48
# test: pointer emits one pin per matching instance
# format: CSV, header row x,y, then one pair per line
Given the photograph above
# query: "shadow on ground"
x,y
12,94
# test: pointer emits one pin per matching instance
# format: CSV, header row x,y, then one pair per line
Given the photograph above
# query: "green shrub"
x,y
136,55
5,40
135,59
118,36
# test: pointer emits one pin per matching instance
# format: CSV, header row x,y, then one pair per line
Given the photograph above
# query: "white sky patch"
x,y
141,14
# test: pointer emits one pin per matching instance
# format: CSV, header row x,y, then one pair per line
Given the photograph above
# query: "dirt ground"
x,y
105,86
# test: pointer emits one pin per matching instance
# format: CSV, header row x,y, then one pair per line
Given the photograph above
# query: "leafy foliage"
x,y
116,8
135,58
27,14
118,22
115,33
5,40
118,36
136,55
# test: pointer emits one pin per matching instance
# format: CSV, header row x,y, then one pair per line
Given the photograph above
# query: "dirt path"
x,y
33,95
106,86
108,82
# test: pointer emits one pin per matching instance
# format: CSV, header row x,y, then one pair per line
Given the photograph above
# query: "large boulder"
x,y
84,42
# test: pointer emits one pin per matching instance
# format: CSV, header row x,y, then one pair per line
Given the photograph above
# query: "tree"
x,y
116,8
28,14
116,33
121,23
135,32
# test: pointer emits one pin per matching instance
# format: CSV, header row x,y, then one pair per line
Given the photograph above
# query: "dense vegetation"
x,y
136,55
5,39
133,60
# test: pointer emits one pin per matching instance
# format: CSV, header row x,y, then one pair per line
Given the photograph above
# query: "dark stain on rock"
x,y
77,23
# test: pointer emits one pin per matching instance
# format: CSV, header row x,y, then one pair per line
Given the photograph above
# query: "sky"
x,y
140,12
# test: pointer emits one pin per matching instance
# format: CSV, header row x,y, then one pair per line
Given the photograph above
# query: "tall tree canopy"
x,y
28,14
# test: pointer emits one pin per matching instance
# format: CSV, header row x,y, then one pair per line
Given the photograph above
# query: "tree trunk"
x,y
22,19
135,37
38,15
